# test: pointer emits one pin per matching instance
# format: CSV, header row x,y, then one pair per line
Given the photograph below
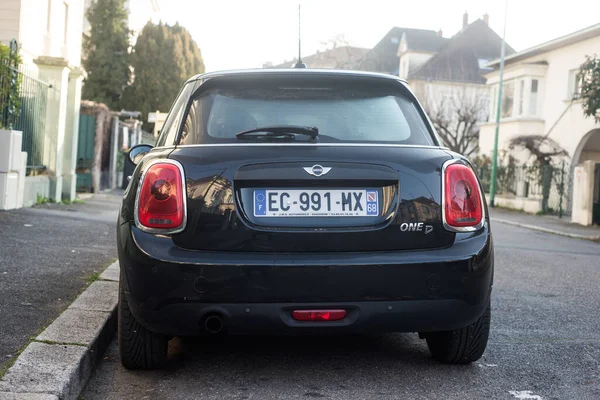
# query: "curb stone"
x,y
27,396
111,273
546,230
57,364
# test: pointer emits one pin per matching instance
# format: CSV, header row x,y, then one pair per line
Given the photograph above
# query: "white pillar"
x,y
114,149
527,97
55,71
12,173
21,183
583,193
138,128
126,140
133,136
69,186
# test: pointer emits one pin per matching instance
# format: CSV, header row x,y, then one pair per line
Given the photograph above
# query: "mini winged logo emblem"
x,y
317,170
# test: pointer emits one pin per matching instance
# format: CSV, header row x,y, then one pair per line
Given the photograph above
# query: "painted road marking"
x,y
525,395
485,365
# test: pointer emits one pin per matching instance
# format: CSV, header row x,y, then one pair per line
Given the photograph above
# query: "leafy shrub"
x,y
10,83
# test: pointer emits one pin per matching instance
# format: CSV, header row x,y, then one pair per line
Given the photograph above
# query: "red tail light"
x,y
463,208
160,205
318,315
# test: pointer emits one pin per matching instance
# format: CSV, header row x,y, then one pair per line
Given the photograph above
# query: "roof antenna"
x,y
299,64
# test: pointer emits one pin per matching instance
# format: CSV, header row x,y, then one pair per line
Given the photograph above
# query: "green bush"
x,y
590,87
10,83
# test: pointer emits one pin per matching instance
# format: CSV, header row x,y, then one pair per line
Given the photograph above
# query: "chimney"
x,y
465,20
486,18
439,33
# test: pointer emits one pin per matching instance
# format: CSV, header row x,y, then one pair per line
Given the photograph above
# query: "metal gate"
x,y
596,206
85,150
23,106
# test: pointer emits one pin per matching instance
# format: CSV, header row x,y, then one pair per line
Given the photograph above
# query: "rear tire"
x,y
461,346
139,348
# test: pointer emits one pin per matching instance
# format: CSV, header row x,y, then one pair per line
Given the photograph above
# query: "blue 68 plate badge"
x,y
372,203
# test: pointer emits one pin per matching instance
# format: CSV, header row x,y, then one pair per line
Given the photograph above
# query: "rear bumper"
x,y
362,317
171,290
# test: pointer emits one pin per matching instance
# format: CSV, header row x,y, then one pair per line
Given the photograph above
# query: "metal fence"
x,y
551,185
28,113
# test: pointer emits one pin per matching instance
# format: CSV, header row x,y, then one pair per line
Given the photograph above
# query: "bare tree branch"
x,y
455,117
539,146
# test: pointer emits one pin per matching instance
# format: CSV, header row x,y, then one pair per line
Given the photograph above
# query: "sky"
x,y
245,34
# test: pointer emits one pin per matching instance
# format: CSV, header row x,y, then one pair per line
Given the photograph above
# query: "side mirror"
x,y
136,153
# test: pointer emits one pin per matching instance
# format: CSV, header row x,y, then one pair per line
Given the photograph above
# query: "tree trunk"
x,y
546,185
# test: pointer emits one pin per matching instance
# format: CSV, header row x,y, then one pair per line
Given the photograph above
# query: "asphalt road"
x,y
544,344
47,254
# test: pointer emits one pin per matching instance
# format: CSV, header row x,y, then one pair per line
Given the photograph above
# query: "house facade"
x,y
540,97
401,50
49,34
451,82
416,47
50,28
446,74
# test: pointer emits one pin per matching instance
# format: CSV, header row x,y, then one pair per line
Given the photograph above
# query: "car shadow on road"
x,y
390,366
302,350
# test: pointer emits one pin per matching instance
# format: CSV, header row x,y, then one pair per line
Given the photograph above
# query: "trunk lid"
x,y
268,197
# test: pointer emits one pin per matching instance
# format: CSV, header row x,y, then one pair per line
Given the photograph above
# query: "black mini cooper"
x,y
302,202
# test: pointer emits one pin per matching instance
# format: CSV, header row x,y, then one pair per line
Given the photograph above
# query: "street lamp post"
x,y
498,110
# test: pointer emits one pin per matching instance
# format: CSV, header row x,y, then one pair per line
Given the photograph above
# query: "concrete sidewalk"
x,y
57,364
48,256
545,223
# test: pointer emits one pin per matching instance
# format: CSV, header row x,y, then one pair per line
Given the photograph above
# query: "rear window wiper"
x,y
279,132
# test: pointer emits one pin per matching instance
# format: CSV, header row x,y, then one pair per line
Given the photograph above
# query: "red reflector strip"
x,y
318,315
156,221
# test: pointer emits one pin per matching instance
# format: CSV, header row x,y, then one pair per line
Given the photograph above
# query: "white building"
x,y
450,82
43,28
401,49
540,97
49,36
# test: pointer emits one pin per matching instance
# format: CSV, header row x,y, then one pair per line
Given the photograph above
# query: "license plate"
x,y
316,203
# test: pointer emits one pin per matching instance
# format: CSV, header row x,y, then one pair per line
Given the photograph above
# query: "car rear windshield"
x,y
343,110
